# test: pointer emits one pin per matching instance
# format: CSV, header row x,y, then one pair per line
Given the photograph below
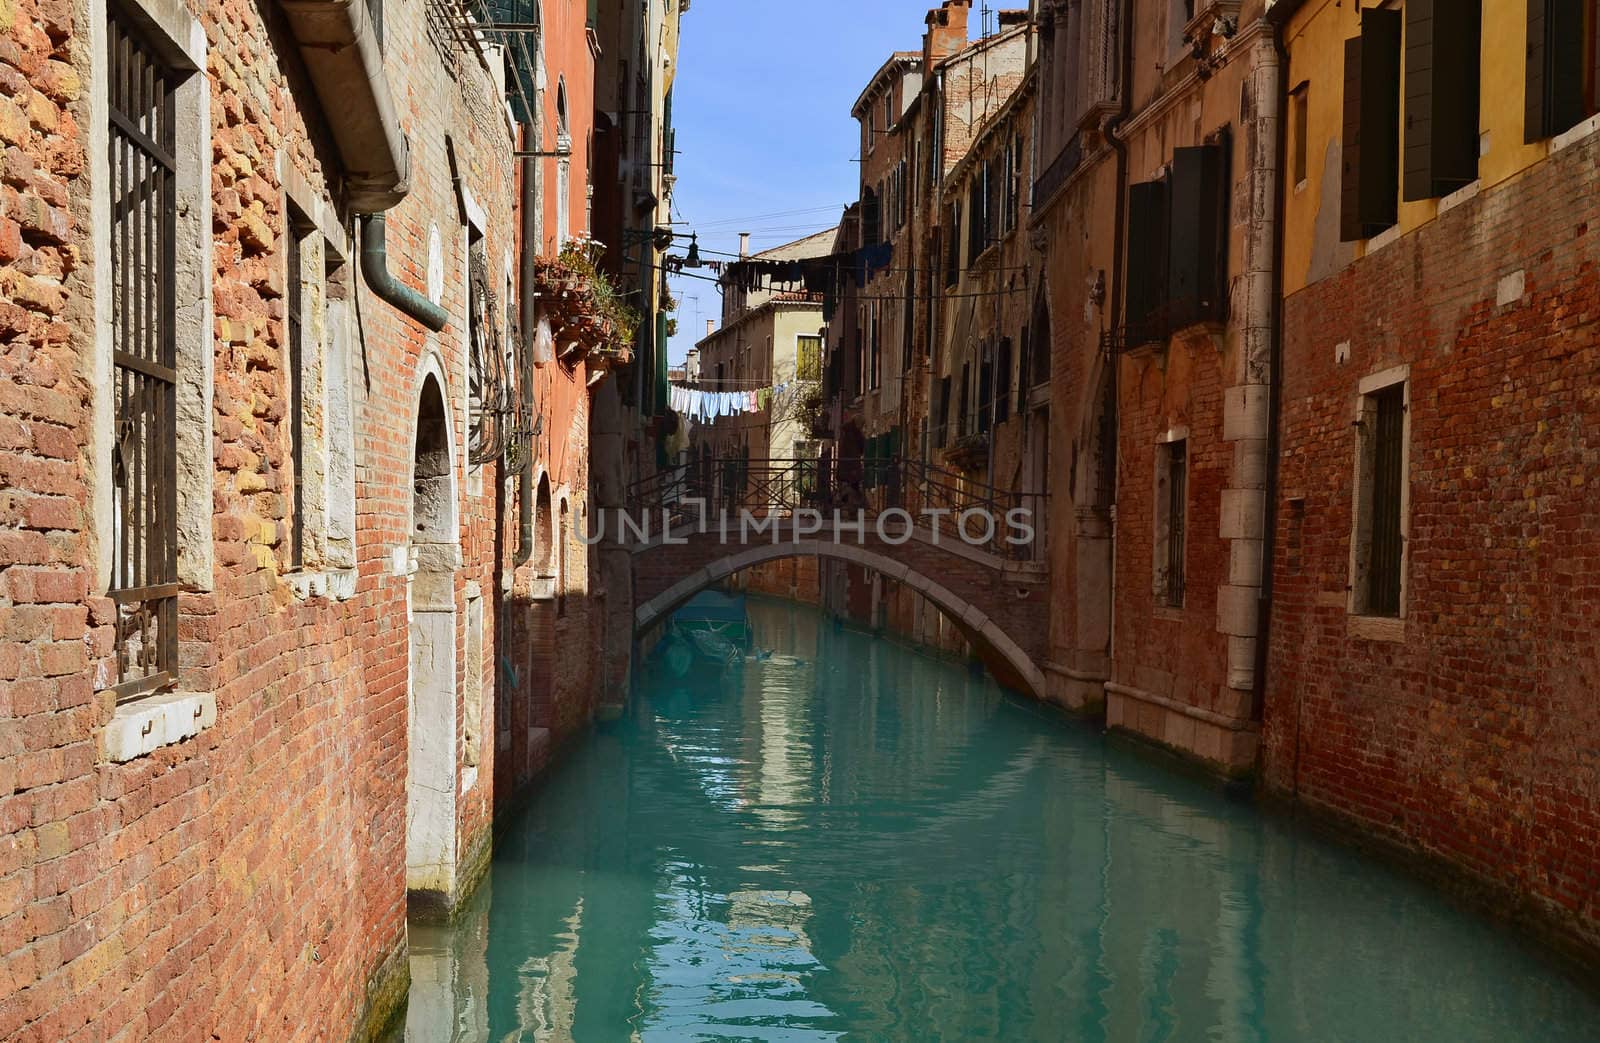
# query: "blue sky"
x,y
762,108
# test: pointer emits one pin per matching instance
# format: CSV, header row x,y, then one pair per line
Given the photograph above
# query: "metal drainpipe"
x,y
1269,536
528,313
375,267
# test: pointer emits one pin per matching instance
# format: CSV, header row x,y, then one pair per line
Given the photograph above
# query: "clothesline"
x,y
706,406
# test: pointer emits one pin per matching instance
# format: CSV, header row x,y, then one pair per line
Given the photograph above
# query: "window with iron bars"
x,y
143,236
1172,497
1379,546
296,381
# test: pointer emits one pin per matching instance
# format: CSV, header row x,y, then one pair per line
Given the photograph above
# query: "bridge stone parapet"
x,y
1000,604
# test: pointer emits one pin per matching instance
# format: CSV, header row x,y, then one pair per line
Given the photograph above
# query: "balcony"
x,y
589,321
1061,168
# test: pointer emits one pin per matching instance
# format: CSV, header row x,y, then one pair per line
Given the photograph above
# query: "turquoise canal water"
x,y
853,840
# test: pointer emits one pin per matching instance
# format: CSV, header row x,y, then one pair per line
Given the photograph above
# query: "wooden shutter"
x,y
1350,163
1371,145
1556,68
1441,90
1536,107
1196,243
1147,248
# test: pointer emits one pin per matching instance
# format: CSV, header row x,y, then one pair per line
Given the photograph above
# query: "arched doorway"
x,y
431,825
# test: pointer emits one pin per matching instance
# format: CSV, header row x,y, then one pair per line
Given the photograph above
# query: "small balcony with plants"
x,y
590,321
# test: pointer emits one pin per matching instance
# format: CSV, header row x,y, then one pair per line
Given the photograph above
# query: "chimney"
x,y
744,245
947,33
711,326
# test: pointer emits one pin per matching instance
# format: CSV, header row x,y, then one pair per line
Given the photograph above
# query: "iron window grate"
x,y
1384,560
144,353
1178,492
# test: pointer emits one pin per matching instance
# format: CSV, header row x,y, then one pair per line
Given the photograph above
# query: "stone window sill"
x,y
339,584
1572,135
1377,628
143,726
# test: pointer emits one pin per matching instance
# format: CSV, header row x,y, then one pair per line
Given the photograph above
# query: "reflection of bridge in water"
x,y
974,551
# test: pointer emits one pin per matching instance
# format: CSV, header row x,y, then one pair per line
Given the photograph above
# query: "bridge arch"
x,y
1003,655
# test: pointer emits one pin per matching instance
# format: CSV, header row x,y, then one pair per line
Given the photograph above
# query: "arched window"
x,y
563,166
1039,342
564,559
543,530
433,493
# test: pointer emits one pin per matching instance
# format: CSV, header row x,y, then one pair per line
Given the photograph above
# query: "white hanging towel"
x,y
544,345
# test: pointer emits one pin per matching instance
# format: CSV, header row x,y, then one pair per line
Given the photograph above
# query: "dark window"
x,y
1442,86
871,218
1177,491
962,403
858,365
1369,197
1002,391
1039,345
1386,414
901,196
977,200
1013,185
876,345
143,168
1300,103
908,316
1563,86
952,257
941,414
986,389
295,378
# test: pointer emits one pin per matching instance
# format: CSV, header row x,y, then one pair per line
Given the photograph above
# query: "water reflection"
x,y
850,839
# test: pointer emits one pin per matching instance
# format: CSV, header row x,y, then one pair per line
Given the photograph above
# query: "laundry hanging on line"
x,y
706,406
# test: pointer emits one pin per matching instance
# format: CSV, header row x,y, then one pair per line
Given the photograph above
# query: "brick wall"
x,y
1470,742
248,882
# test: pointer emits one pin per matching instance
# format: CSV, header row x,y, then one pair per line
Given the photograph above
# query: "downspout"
x,y
528,316
1120,147
339,45
375,267
1269,535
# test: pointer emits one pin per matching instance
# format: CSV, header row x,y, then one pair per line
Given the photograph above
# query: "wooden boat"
x,y
712,628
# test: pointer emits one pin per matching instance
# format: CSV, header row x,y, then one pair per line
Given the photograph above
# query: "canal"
x,y
854,840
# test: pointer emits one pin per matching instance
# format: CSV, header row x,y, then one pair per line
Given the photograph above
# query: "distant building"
x,y
769,345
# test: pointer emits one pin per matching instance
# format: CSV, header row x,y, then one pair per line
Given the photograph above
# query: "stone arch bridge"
x,y
976,553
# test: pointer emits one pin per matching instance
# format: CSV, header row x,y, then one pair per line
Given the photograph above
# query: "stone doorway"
x,y
431,826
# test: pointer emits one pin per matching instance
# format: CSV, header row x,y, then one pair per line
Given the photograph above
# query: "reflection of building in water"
x,y
449,999
778,713
547,1003
768,920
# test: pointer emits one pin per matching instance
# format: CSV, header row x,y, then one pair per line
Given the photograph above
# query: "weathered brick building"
x,y
1433,654
270,617
921,116
1156,202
